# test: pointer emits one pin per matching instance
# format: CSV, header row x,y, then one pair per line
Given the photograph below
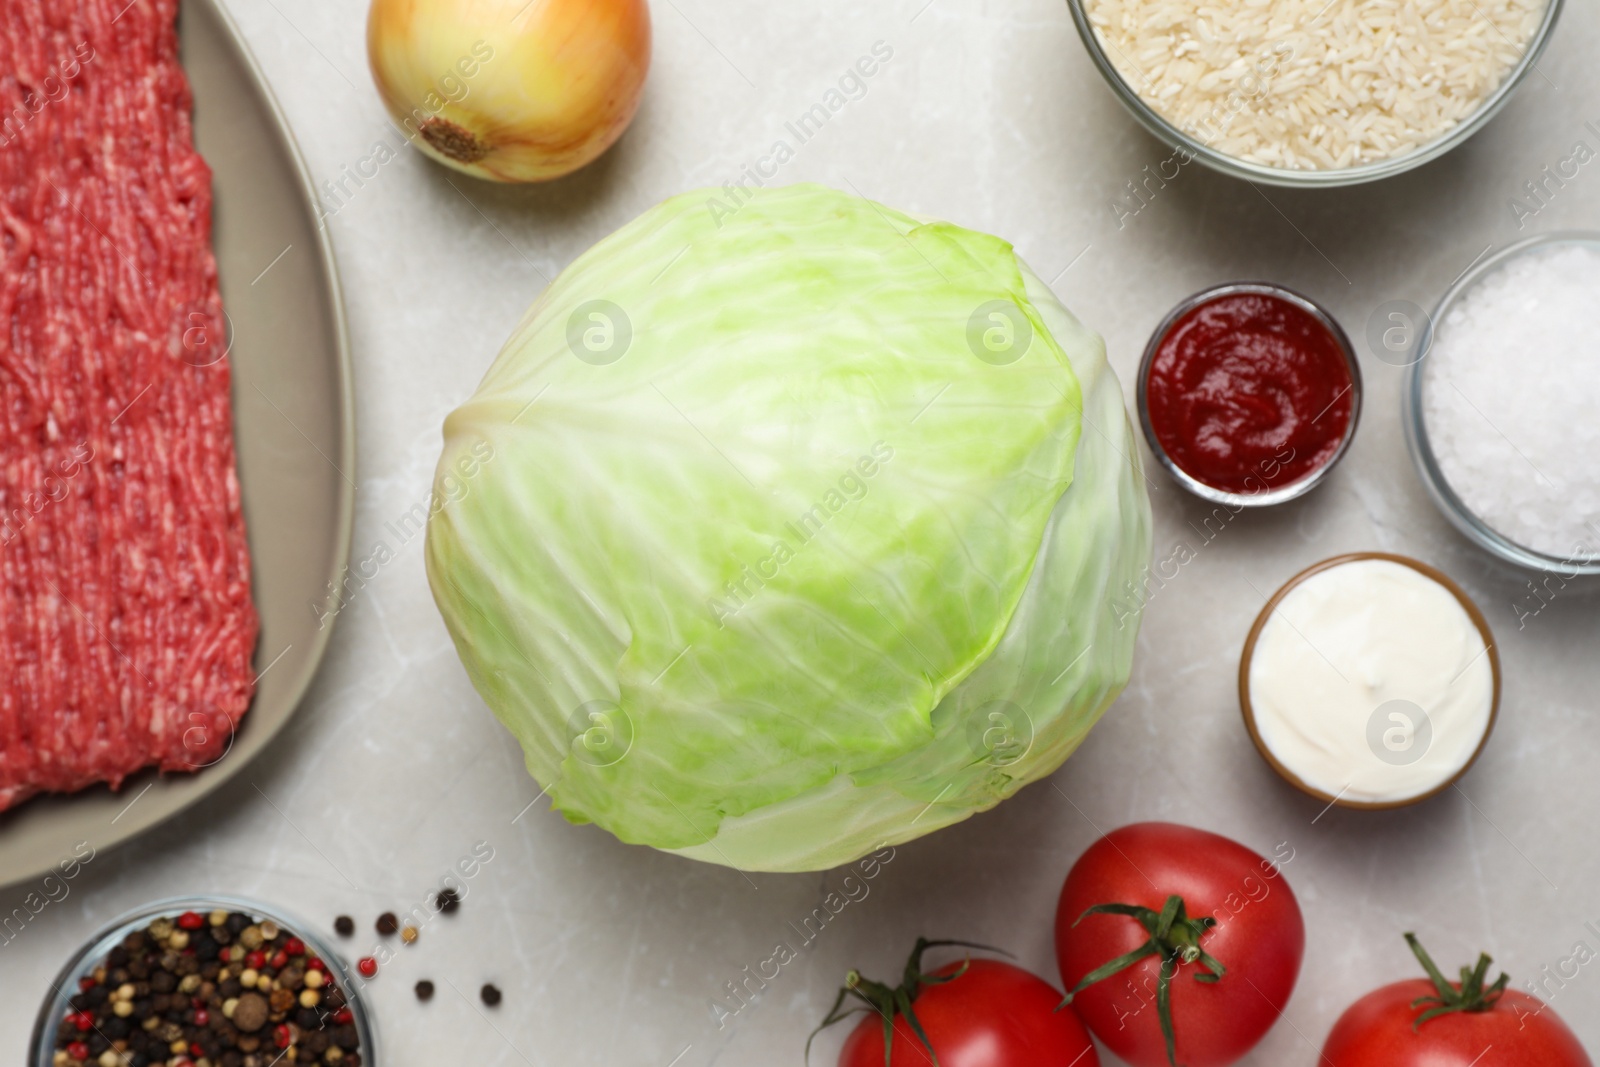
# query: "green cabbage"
x,y
782,533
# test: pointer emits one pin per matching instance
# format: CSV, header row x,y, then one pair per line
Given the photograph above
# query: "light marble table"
x,y
989,114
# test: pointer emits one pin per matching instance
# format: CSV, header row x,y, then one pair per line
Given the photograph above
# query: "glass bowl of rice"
x,y
1314,93
1498,408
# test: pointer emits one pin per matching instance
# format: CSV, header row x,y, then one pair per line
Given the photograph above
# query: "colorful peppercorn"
x,y
367,966
176,994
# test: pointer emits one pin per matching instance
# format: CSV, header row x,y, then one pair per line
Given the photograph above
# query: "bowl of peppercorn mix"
x,y
204,982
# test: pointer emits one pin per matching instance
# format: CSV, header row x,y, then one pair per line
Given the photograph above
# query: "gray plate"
x,y
293,425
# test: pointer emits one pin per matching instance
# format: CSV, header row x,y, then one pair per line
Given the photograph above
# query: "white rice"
x,y
1315,84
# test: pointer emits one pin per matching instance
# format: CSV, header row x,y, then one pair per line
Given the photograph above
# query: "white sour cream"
x,y
1370,683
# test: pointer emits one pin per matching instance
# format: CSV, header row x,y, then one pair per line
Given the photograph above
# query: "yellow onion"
x,y
511,90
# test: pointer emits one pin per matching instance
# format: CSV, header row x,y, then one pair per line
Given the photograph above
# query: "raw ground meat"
x,y
126,624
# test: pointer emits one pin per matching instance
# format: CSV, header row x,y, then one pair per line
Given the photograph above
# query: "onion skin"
x,y
511,90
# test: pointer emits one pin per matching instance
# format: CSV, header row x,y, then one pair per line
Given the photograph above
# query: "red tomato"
x,y
1500,1029
992,1015
1258,938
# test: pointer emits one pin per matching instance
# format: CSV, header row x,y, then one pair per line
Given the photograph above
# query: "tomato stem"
x,y
1470,995
890,1001
1175,939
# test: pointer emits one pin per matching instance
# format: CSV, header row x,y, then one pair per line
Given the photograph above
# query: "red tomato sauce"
x,y
1249,392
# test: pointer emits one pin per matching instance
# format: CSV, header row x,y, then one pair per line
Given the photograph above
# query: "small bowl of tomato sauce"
x,y
1249,394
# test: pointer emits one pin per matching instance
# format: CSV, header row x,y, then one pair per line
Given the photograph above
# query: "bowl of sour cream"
x,y
1370,681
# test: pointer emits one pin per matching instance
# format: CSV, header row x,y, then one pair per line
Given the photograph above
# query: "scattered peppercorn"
x,y
448,900
176,993
409,935
424,990
388,924
367,966
344,925
490,995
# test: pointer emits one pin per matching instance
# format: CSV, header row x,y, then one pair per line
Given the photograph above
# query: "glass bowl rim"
x,y
40,1052
1377,170
1414,421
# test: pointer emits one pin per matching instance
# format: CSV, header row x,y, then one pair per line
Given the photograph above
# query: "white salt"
x,y
1511,399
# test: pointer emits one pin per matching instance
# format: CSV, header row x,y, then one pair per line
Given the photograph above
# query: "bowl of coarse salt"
x,y
1314,93
1500,410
